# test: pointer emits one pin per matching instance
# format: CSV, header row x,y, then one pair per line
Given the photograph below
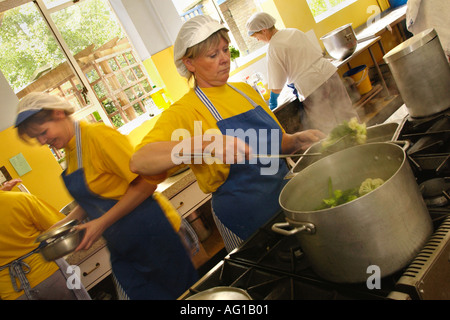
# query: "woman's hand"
x,y
138,190
8,185
93,231
300,140
227,149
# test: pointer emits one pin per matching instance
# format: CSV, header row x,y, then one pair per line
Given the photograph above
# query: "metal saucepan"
x,y
421,72
221,293
341,42
436,191
384,228
59,242
69,207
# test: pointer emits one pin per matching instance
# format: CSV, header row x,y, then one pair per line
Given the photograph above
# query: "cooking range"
x,y
271,266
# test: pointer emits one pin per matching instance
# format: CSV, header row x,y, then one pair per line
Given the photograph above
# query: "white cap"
x,y
34,102
259,21
193,31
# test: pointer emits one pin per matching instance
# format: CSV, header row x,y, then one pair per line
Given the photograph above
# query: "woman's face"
x,y
262,35
56,133
212,68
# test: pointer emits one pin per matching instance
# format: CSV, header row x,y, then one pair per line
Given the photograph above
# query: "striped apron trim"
x,y
78,144
121,294
208,104
230,239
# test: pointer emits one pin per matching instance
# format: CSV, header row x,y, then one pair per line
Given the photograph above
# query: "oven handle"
x,y
302,227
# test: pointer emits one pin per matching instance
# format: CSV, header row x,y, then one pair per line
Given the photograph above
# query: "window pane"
x,y
104,54
319,7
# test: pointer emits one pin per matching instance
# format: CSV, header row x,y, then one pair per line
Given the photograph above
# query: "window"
x,y
233,13
78,51
322,9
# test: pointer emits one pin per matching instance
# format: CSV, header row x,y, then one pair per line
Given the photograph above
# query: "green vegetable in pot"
x,y
369,185
338,197
353,131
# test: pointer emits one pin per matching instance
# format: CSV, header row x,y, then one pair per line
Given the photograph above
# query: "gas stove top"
x,y
270,266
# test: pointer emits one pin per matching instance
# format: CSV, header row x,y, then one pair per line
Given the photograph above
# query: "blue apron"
x,y
147,257
247,199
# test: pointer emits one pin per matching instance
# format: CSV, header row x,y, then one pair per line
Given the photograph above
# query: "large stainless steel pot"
x,y
385,228
422,74
341,42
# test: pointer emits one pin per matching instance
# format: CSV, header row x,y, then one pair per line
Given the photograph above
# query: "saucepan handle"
x,y
280,228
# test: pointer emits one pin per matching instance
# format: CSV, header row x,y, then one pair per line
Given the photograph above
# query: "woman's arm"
x,y
302,140
153,159
137,192
76,214
158,157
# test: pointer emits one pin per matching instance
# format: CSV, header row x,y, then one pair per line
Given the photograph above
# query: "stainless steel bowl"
x,y
60,241
341,42
68,208
62,246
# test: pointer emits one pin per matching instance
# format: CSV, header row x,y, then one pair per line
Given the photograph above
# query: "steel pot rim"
x,y
221,293
56,232
62,245
319,162
337,30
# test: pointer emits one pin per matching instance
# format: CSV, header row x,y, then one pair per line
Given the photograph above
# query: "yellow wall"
x,y
175,85
153,73
140,132
44,178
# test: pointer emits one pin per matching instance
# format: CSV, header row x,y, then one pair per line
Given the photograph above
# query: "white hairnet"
x,y
193,31
34,102
259,21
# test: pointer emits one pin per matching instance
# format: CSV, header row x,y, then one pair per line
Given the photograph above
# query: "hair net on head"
x,y
34,102
193,31
259,21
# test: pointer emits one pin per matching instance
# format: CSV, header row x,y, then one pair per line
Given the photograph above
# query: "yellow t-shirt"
x,y
189,110
23,218
106,155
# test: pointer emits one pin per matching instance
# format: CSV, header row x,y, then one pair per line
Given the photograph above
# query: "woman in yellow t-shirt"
x,y
214,119
23,218
148,258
